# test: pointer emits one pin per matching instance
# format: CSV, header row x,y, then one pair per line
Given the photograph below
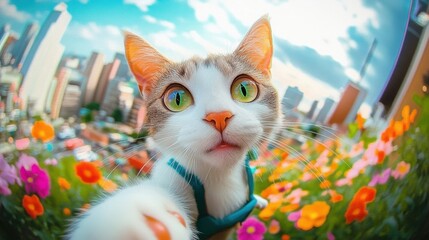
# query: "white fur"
x,y
187,138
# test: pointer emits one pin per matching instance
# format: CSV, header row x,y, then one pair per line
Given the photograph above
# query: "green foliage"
x,y
93,106
117,115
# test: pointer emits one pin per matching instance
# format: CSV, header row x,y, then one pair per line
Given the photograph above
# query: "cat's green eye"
x,y
177,98
244,89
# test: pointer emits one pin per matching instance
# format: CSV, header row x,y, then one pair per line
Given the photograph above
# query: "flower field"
x,y
363,184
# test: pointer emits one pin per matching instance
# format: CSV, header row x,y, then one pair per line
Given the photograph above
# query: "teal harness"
x,y
208,225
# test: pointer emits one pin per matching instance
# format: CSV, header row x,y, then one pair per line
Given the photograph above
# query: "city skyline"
x,y
312,63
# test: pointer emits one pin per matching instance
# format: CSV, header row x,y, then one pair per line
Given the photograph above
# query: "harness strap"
x,y
206,224
196,184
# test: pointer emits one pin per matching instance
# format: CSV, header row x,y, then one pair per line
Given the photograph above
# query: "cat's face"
x,y
214,109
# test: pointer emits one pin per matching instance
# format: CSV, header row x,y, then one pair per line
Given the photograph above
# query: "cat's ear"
x,y
257,45
145,62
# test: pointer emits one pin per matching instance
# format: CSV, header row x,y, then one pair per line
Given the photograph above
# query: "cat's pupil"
x,y
243,90
177,99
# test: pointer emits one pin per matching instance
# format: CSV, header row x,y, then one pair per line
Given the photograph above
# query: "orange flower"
x,y
365,194
357,207
33,206
67,211
360,121
336,197
380,156
107,185
289,208
313,215
85,207
64,184
285,237
276,188
274,227
269,210
356,211
325,184
88,172
42,131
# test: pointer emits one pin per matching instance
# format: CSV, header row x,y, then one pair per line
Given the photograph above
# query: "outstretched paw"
x,y
261,202
138,212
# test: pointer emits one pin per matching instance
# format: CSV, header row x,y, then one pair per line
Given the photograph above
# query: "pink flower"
x,y
26,161
36,180
380,178
51,161
330,236
401,170
343,181
22,144
295,196
357,149
7,176
294,216
251,229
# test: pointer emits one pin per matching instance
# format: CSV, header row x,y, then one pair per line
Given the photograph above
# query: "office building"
x,y
62,81
92,74
325,111
137,114
43,58
23,45
107,75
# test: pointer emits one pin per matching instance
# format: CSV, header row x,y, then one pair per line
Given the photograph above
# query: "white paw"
x,y
260,202
138,212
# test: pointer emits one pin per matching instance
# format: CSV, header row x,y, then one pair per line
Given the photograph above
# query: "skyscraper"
x,y
123,69
347,100
292,98
57,100
92,73
107,74
4,34
313,108
325,111
43,58
23,45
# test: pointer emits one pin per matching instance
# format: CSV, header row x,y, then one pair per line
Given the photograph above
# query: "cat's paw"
x,y
137,212
260,202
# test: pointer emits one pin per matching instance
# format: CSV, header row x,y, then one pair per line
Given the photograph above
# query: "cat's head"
x,y
214,109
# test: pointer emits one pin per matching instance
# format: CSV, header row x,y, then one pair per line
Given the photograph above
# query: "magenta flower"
x,y
251,229
294,216
330,236
36,180
26,161
7,176
380,178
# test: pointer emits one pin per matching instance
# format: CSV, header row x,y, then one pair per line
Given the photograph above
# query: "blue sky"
x,y
319,45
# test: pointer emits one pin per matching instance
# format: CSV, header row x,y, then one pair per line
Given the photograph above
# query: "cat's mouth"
x,y
224,146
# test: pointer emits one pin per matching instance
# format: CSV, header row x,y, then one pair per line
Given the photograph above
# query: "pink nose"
x,y
219,120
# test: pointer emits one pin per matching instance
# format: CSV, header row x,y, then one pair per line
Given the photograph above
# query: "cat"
x,y
205,115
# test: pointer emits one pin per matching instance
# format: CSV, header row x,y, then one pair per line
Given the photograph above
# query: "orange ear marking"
x,y
145,61
179,217
257,45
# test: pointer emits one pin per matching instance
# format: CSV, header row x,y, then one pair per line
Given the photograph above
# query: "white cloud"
x,y
285,74
166,40
207,45
208,11
84,1
320,25
167,24
149,19
9,10
164,23
141,4
103,38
